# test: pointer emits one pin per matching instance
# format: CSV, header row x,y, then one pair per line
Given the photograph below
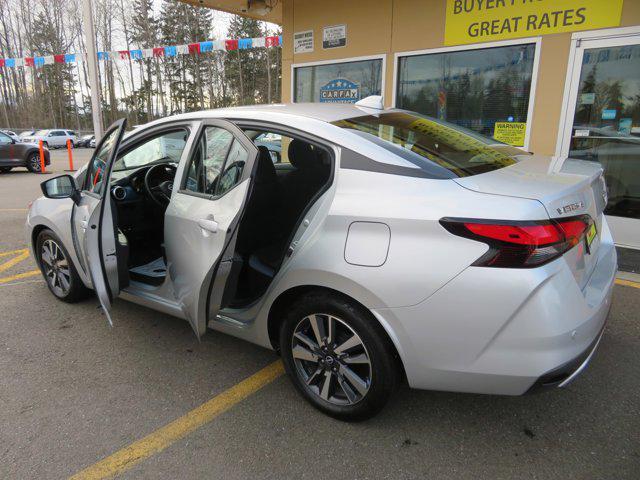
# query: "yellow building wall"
x,y
390,26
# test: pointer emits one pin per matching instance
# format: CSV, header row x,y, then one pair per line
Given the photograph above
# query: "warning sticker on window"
x,y
511,133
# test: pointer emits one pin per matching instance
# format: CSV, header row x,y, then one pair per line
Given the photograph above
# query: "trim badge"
x,y
572,207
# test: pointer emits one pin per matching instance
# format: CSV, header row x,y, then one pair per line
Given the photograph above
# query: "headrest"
x,y
302,155
265,170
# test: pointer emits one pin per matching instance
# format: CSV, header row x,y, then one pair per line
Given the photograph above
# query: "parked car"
x,y
18,154
390,246
56,138
92,142
85,141
25,134
12,135
273,143
617,153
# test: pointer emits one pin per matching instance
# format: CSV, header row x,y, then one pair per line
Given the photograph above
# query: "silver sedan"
x,y
366,246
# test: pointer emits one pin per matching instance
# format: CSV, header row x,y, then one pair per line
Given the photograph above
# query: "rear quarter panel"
x,y
422,255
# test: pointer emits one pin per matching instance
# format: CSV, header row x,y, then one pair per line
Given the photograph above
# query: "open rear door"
x,y
93,221
202,219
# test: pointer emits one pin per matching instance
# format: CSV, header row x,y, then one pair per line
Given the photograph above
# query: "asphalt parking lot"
x,y
145,399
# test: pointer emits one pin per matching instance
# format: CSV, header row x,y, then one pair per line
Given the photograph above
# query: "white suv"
x,y
56,138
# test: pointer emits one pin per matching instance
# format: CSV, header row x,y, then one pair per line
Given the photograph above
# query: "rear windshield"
x,y
432,144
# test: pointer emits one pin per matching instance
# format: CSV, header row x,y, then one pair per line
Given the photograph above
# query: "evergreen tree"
x,y
245,69
186,74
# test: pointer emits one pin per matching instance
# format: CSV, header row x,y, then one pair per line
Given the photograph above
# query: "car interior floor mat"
x,y
152,272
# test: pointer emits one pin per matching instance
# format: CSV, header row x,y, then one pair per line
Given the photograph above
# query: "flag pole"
x,y
92,63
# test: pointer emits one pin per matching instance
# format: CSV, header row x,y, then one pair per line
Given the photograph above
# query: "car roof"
x,y
326,112
314,118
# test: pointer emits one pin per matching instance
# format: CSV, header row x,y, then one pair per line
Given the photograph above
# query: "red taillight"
x,y
521,244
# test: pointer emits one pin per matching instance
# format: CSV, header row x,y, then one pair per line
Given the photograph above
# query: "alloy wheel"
x,y
331,359
34,161
56,267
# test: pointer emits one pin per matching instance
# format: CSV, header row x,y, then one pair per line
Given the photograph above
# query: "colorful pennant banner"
x,y
139,54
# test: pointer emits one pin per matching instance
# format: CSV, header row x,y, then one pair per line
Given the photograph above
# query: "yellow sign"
x,y
473,21
512,133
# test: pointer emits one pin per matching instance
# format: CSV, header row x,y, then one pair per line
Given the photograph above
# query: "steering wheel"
x,y
158,183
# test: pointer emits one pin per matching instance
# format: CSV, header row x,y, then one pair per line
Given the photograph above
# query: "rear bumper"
x,y
505,331
565,374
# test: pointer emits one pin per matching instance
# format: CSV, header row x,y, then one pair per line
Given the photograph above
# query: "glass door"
x,y
603,125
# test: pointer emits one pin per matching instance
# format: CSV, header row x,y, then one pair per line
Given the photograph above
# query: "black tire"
x,y
76,290
5,169
33,162
383,366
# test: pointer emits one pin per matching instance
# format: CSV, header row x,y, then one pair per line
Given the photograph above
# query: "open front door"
x,y
93,222
201,222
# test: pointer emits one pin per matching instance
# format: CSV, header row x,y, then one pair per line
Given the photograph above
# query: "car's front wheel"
x,y
58,269
338,357
33,162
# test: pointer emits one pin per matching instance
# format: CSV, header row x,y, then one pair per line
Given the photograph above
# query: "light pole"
x,y
92,63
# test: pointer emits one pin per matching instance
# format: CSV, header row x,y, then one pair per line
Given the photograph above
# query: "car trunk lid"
x,y
565,187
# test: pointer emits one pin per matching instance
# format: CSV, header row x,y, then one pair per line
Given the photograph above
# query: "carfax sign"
x,y
473,21
340,90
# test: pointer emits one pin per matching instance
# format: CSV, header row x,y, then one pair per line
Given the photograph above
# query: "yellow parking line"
x,y
13,209
20,256
19,276
12,252
174,431
627,283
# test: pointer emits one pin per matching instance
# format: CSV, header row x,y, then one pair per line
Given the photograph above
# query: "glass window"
x,y
606,126
96,168
4,139
472,88
217,163
276,143
345,82
166,147
440,149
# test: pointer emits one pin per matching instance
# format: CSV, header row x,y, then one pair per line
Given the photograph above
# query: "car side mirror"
x,y
63,186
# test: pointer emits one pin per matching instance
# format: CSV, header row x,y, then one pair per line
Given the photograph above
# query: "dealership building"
x,y
553,77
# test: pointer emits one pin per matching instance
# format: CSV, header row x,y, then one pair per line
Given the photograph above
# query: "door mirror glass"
x,y
60,187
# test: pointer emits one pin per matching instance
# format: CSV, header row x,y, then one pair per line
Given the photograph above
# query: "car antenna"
x,y
372,101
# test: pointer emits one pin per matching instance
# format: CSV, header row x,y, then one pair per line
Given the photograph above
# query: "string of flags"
x,y
139,54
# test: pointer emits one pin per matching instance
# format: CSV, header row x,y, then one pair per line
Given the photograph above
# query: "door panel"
x,y
202,218
93,225
5,150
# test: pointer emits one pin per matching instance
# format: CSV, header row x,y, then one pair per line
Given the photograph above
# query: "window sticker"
x,y
340,90
512,133
587,98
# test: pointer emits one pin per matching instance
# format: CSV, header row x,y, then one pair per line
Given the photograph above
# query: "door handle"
x,y
83,224
208,224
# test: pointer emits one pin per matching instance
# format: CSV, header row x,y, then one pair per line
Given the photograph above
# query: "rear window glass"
x,y
429,143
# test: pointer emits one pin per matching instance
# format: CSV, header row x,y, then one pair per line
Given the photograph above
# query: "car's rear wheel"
x,y
58,269
33,162
338,357
5,169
